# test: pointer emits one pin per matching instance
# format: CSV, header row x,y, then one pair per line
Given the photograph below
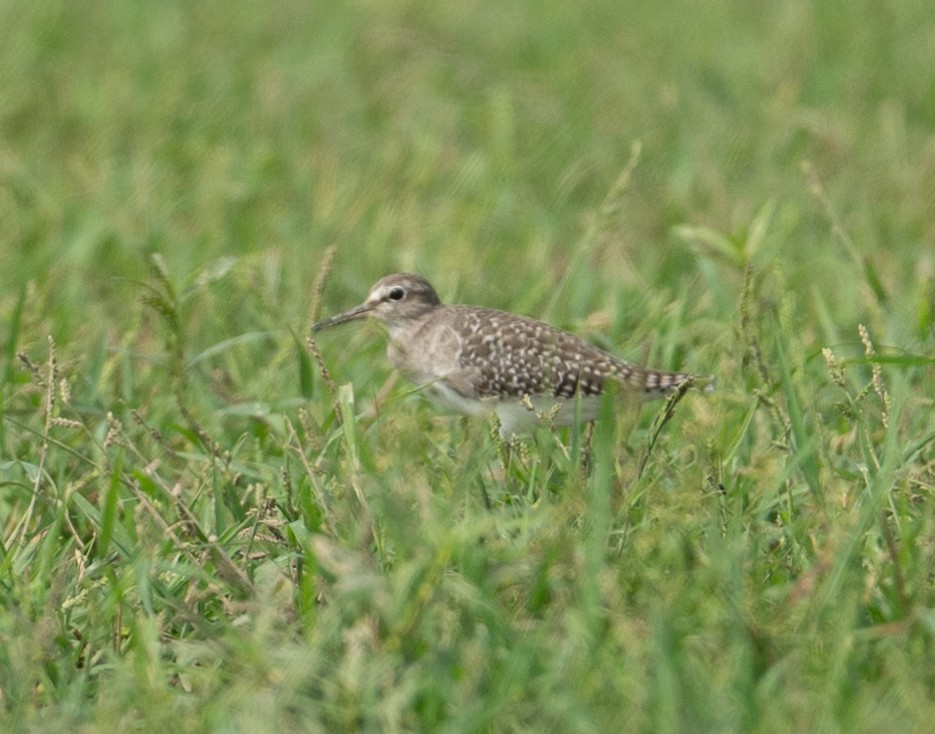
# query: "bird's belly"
x,y
517,417
446,397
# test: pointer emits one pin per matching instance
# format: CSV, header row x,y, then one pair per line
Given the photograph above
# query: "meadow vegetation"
x,y
210,523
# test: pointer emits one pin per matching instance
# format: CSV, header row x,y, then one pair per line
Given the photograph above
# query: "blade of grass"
x,y
804,445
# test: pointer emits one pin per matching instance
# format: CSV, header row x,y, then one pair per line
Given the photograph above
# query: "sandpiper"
x,y
480,360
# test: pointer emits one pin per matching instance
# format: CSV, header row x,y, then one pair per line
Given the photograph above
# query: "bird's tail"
x,y
658,383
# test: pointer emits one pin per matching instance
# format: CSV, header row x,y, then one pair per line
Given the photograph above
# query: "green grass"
x,y
201,532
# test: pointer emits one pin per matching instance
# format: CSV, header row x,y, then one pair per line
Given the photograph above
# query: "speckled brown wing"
x,y
513,356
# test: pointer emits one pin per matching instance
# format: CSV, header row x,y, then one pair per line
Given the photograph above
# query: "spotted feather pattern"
x,y
512,356
478,359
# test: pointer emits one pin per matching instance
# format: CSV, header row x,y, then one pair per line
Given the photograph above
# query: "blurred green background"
x,y
473,142
726,188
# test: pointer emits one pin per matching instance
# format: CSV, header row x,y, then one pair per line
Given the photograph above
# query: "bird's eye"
x,y
396,294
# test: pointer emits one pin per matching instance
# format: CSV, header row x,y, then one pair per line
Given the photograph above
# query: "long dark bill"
x,y
355,313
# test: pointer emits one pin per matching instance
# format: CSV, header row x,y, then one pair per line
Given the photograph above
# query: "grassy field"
x,y
204,532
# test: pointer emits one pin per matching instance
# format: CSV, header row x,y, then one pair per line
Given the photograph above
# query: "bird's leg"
x,y
586,453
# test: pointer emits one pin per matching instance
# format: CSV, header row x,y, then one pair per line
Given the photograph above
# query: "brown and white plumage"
x,y
481,360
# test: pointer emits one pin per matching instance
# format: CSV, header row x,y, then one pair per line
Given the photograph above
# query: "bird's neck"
x,y
402,328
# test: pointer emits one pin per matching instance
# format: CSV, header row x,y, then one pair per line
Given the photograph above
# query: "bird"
x,y
478,361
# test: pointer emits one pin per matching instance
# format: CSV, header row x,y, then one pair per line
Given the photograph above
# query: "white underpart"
x,y
516,416
439,392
